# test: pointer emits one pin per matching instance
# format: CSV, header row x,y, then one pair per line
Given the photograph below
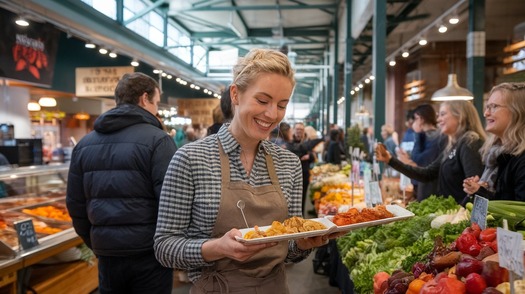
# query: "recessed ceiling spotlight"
x,y
405,54
442,29
102,51
134,63
113,54
453,20
392,62
90,45
423,42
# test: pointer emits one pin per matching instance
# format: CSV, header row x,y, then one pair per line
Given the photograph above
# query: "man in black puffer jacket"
x,y
113,190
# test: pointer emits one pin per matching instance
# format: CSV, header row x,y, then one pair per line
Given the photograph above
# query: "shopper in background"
x,y
199,215
218,120
333,150
115,178
284,135
226,105
504,152
390,138
460,159
429,145
407,143
298,132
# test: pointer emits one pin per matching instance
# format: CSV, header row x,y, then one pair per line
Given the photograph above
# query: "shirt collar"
x,y
229,143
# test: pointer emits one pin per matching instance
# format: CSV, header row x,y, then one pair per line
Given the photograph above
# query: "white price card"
x,y
367,174
375,192
404,182
479,211
510,251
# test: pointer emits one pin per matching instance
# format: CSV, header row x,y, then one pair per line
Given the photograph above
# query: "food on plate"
x,y
354,216
291,225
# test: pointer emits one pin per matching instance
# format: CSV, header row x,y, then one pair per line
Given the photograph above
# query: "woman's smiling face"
x,y
497,114
262,106
447,122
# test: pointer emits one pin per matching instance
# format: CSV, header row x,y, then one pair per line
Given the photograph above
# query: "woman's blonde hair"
x,y
514,136
259,61
310,132
469,124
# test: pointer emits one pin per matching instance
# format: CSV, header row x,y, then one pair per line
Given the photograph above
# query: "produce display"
x,y
421,255
288,226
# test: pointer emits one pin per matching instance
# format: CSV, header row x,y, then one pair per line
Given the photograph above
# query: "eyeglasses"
x,y
492,107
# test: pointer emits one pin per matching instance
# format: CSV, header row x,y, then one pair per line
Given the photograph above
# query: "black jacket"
x,y
115,179
510,179
463,161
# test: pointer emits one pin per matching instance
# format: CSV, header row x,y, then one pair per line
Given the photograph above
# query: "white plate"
x,y
399,214
328,224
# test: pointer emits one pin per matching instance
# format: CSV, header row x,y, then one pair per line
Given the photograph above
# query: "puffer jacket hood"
x,y
123,116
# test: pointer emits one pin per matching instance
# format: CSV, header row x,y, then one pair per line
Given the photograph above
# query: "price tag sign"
x,y
510,252
26,233
404,182
479,211
375,192
367,175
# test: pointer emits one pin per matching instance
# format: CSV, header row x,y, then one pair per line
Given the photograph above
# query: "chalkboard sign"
x,y
26,233
479,211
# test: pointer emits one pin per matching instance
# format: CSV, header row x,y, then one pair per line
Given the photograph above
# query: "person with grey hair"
x,y
113,189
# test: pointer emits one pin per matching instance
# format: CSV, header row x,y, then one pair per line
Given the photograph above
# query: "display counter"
x,y
38,193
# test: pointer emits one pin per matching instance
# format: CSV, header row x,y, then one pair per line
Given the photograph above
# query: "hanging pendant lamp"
x,y
452,91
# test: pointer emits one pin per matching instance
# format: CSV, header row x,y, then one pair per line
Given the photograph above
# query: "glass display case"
x,y
37,193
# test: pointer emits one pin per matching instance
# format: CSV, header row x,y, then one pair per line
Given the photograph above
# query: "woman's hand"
x,y
382,154
228,247
471,185
317,241
402,155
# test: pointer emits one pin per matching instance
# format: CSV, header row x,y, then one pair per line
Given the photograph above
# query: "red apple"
x,y
467,266
475,283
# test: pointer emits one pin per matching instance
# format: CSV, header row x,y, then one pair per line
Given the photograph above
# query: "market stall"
x,y
40,250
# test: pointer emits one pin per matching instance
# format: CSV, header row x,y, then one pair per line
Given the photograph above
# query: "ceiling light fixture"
x,y
405,54
103,51
90,45
33,106
453,19
452,91
134,63
113,54
423,41
442,29
21,21
82,115
392,62
47,102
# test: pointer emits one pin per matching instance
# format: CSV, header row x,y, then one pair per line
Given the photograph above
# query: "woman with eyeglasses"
x,y
459,160
504,151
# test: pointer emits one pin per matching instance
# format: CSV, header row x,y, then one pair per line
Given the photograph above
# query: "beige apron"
x,y
264,272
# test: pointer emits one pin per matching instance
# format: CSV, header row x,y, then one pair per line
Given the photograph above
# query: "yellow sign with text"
x,y
99,81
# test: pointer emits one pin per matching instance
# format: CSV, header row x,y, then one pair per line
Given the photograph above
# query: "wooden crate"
x,y
72,277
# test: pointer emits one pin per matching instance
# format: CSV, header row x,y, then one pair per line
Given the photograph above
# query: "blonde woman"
x,y
198,214
460,159
504,152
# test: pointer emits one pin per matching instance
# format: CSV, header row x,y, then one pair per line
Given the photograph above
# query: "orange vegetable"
x,y
415,286
380,282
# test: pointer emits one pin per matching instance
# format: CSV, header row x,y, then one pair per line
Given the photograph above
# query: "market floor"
x,y
301,280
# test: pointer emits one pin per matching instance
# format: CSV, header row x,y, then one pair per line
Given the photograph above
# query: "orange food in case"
x,y
49,212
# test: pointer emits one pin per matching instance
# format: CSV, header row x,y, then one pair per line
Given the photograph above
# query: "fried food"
x,y
291,225
354,216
